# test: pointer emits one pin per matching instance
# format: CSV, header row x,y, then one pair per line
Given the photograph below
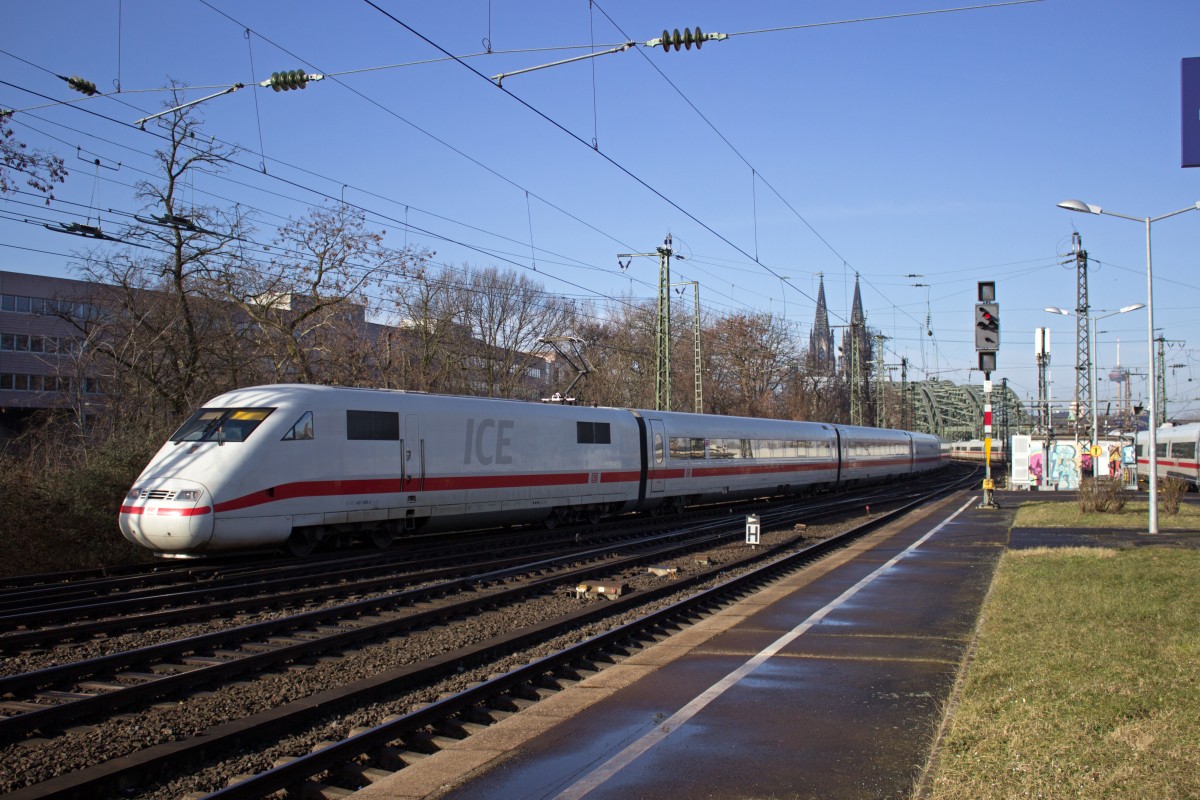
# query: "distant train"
x,y
295,465
1175,446
973,451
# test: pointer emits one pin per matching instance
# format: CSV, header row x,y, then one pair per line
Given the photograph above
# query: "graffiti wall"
x,y
1065,463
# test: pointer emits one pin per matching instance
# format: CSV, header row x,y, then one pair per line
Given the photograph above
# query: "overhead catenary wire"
x,y
329,197
747,32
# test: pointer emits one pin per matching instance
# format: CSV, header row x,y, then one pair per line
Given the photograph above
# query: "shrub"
x,y
1115,496
1101,495
1171,492
59,500
1089,496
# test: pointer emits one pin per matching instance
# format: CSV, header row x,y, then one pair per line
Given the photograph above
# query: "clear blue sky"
x,y
933,145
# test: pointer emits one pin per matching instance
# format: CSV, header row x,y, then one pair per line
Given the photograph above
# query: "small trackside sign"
x,y
753,529
1190,111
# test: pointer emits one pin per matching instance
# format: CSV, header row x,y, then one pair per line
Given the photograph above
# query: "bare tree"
x,y
164,323
748,364
40,170
428,337
816,397
312,296
508,314
621,346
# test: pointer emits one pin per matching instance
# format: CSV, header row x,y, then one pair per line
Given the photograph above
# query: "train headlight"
x,y
189,494
133,494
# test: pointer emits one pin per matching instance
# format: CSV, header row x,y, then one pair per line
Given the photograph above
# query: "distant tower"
x,y
856,358
821,358
1120,376
1083,357
856,335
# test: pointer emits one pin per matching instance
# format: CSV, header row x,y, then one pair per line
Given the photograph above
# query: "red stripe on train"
x,y
333,488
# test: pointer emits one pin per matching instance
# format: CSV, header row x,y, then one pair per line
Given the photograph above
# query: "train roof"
x,y
1187,429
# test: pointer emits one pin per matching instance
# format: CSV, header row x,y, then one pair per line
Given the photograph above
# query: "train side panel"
x,y
521,460
701,457
927,452
873,454
1178,448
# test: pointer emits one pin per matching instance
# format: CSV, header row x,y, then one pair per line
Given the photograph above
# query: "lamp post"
x,y
1086,208
1091,322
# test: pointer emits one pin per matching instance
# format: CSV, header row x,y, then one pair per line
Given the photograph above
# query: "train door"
x,y
837,454
412,456
658,455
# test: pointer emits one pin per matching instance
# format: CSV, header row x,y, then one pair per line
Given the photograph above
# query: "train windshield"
x,y
221,425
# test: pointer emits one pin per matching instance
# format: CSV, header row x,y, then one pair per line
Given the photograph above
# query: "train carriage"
x,y
296,464
1176,448
874,454
697,456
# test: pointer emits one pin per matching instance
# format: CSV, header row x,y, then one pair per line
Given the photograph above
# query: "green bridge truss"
x,y
955,413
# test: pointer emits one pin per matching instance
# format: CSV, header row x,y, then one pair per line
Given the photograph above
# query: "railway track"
x,y
312,642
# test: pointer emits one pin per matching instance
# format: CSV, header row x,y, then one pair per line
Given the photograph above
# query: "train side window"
x,y
658,448
723,448
373,425
683,448
593,433
1183,449
1160,449
303,429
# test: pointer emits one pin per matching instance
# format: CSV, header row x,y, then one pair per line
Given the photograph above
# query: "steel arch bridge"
x,y
955,413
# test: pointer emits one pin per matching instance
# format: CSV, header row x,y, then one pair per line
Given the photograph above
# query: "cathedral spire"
x,y
821,358
856,309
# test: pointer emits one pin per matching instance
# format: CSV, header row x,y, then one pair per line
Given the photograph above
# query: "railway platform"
x,y
829,684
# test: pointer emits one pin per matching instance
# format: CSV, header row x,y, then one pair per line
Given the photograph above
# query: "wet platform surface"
x,y
829,684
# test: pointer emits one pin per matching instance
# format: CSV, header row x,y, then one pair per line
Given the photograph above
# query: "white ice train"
x,y
1176,447
297,464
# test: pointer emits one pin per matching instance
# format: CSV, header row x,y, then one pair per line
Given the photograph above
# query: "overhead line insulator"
x,y
81,85
289,79
685,39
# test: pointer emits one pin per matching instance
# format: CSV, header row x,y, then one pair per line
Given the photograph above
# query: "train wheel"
x,y
381,538
678,505
301,543
593,516
552,520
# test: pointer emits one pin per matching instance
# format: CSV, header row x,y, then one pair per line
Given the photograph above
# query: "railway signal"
x,y
987,342
987,326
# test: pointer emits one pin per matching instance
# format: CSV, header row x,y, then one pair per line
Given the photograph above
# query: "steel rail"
x,y
148,764
54,716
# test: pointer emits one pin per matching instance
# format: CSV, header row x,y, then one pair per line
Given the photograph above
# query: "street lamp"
x,y
1086,208
1091,322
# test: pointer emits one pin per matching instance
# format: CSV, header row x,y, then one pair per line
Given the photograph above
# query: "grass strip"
x,y
1084,681
1133,516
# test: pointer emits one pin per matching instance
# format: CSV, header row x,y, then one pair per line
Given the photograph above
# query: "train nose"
x,y
168,515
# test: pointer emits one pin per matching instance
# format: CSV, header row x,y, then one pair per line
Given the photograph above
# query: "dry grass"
x,y
1085,681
